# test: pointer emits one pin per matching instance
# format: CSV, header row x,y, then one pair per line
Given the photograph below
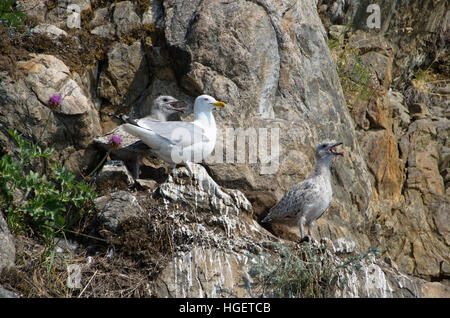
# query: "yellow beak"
x,y
219,104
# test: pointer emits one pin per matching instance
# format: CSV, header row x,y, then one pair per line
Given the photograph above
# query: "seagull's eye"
x,y
205,98
165,99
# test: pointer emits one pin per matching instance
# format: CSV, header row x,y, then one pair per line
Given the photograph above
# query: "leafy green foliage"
x,y
10,15
38,203
353,74
309,271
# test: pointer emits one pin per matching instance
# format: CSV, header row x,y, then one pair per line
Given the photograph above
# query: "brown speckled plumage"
x,y
309,199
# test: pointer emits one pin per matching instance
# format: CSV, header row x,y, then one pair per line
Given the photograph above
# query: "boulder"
x,y
125,76
117,207
7,247
154,15
69,128
65,13
192,185
114,175
100,24
125,18
49,30
4,293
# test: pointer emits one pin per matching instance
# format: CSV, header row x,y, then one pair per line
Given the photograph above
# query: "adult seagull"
x,y
180,142
131,148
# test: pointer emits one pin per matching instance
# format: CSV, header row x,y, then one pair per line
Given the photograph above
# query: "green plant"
x,y
10,15
309,271
335,41
353,74
37,203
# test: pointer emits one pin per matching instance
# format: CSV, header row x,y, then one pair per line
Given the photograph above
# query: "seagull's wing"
x,y
294,201
157,134
146,122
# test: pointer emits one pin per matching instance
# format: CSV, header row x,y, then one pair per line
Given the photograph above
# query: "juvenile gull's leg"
x,y
301,223
310,227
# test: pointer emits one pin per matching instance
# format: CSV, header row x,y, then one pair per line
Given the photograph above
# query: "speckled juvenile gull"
x,y
132,148
309,199
177,142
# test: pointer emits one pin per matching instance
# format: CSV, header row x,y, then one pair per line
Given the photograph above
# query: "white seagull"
x,y
180,142
131,148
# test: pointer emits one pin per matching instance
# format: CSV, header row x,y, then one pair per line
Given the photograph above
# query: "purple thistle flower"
x,y
115,141
55,101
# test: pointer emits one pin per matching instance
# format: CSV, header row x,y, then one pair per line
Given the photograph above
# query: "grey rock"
x,y
192,185
70,128
125,18
4,293
147,184
400,115
117,207
48,29
33,8
73,20
105,30
212,26
66,13
7,247
154,15
100,24
113,175
125,76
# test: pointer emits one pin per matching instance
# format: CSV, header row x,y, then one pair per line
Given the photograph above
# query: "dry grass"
x,y
122,264
427,82
101,275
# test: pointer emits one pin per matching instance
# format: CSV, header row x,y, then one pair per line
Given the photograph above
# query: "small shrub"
x,y
309,272
10,15
353,74
38,203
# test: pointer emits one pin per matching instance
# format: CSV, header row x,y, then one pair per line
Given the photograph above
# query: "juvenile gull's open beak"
x,y
334,152
178,109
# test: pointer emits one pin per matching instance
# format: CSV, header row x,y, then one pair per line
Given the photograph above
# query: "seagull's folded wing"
x,y
297,199
182,134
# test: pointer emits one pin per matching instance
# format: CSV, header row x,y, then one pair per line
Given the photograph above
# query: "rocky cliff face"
x,y
402,126
271,63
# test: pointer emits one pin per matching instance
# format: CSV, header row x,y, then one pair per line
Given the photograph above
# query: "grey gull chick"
x,y
131,148
164,106
177,141
309,199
